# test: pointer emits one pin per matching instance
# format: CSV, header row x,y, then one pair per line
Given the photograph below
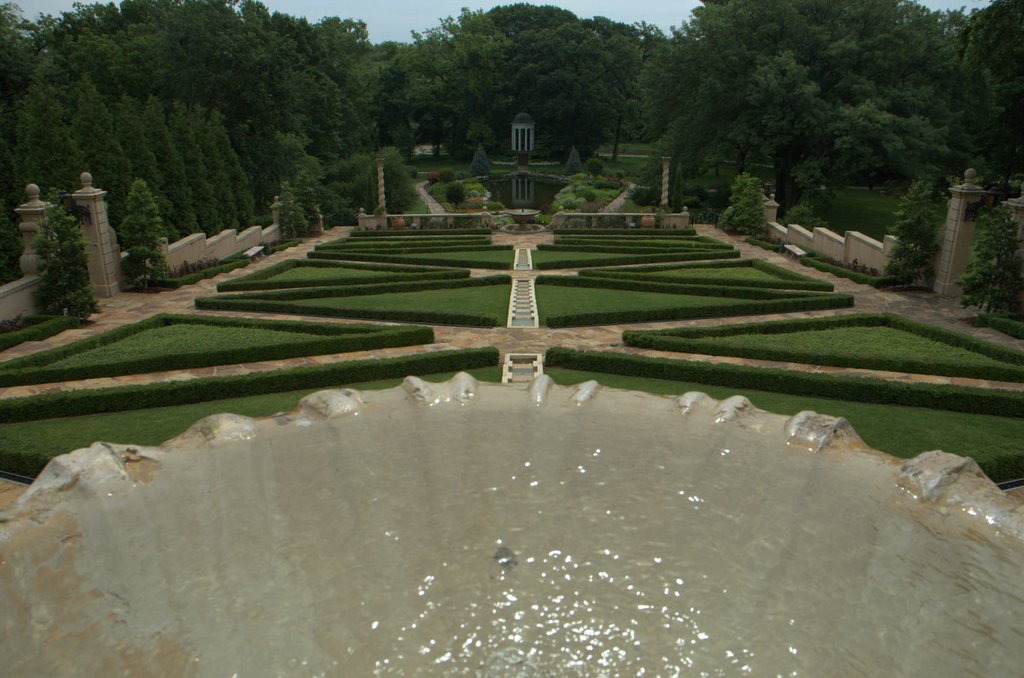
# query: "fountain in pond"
x,y
475,529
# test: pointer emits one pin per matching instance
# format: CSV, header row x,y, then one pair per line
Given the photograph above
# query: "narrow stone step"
x,y
522,304
522,367
524,260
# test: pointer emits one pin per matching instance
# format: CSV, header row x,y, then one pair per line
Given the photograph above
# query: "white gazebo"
x,y
523,140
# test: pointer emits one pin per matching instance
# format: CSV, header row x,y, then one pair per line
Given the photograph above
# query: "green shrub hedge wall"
x,y
787,279
192,278
426,232
1002,323
38,327
624,260
702,340
391,258
145,396
260,280
324,338
632,232
933,396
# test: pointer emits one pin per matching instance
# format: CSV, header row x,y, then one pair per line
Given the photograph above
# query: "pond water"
x,y
493,535
524,191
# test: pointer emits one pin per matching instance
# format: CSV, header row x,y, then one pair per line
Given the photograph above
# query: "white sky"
x,y
394,19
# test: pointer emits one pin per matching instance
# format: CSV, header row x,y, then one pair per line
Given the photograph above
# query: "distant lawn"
x,y
487,300
154,426
577,259
418,206
734,274
325,275
559,300
869,212
462,258
901,431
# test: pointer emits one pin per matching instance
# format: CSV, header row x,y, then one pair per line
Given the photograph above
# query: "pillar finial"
x,y
86,179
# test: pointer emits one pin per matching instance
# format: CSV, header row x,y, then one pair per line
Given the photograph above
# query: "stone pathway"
x,y
616,204
432,204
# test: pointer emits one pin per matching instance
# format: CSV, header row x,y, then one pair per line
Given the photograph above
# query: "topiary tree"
x,y
573,165
64,287
140,233
993,280
481,165
917,221
595,166
746,210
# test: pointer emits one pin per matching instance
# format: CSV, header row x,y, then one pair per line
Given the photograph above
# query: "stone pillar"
x,y
771,209
957,235
100,240
31,217
381,204
275,211
1016,206
664,181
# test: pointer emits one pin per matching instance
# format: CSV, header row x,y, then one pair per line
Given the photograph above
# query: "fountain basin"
x,y
465,528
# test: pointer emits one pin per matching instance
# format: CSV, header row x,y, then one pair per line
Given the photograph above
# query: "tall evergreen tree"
x,y
573,165
481,165
993,278
64,287
238,191
103,157
131,134
917,222
46,153
172,179
11,248
200,211
218,176
140,235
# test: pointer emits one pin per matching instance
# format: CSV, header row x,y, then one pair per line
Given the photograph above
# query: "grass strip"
x,y
631,232
549,260
313,273
424,232
38,327
145,396
903,432
490,259
200,341
744,273
26,447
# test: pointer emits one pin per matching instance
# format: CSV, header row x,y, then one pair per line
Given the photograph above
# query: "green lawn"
x,y
559,300
182,338
323,274
462,258
154,426
485,299
418,206
901,431
572,257
733,274
869,212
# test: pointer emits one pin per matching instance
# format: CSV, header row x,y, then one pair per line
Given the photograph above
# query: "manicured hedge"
x,y
260,279
761,301
94,401
636,249
394,259
34,369
412,249
285,245
404,242
933,396
702,340
412,233
862,278
633,232
624,260
764,244
361,290
38,327
788,279
1002,323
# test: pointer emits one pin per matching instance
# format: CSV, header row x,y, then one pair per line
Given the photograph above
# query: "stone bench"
x,y
794,250
254,253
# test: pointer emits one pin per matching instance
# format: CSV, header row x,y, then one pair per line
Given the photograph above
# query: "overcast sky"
x,y
394,19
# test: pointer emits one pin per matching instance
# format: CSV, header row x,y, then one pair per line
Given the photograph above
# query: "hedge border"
x,y
389,259
569,262
762,301
700,340
639,233
427,231
859,389
336,339
405,242
192,278
322,291
788,279
1002,323
260,279
876,281
623,249
147,396
415,249
38,327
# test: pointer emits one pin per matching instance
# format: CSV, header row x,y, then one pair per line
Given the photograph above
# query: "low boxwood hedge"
x,y
145,396
413,233
1002,323
192,278
860,389
386,243
636,249
702,340
362,290
33,369
395,259
412,249
862,278
37,328
787,279
624,260
261,279
285,245
632,232
764,244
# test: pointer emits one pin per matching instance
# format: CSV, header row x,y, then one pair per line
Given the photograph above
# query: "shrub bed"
x,y
426,231
322,338
37,327
145,396
708,340
192,278
786,278
437,260
858,389
262,280
1002,323
567,260
632,232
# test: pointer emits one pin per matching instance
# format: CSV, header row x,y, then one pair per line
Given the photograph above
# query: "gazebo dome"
x,y
522,118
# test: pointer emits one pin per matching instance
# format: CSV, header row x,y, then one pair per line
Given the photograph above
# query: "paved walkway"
x,y
432,204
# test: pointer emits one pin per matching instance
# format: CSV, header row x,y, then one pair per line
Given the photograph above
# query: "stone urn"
x,y
397,223
647,221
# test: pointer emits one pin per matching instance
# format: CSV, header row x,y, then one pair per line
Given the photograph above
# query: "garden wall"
x,y
18,297
197,247
848,248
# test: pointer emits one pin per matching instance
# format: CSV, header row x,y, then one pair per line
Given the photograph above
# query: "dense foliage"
x,y
141,231
917,223
64,288
993,279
